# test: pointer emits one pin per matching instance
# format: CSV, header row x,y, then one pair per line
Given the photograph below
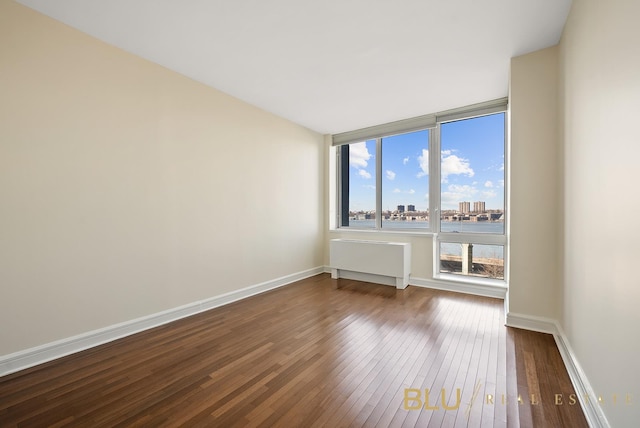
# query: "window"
x,y
475,260
394,176
361,185
405,181
472,175
398,178
471,236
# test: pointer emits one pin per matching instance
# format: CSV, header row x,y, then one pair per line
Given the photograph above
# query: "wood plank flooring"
x,y
319,352
548,398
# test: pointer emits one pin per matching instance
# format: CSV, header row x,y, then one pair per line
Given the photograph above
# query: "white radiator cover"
x,y
373,261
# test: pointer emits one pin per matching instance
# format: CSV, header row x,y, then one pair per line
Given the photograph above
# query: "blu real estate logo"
x,y
415,399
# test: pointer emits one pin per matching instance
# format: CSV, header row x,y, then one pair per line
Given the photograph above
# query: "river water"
x,y
490,251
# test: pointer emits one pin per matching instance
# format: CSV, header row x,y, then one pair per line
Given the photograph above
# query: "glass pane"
x,y
362,184
472,175
484,261
405,181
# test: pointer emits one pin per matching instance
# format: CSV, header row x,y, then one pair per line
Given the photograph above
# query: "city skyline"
x,y
463,207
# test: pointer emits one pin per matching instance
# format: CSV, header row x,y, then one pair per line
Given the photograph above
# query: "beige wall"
x,y
534,281
127,189
600,102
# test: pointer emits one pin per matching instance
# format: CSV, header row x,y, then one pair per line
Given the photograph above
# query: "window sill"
x,y
485,282
490,288
404,232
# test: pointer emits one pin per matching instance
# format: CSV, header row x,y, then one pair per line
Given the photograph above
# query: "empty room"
x,y
319,213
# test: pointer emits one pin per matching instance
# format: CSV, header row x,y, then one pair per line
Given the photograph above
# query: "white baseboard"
x,y
50,351
586,395
460,287
533,323
592,410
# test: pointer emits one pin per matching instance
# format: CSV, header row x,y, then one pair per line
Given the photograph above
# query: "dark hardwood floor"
x,y
547,395
319,352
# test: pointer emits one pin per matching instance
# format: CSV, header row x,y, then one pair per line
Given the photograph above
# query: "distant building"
x,y
400,208
478,207
464,207
411,208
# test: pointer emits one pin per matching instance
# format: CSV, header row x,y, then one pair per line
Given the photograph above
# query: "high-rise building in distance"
x,y
400,208
464,207
478,207
411,208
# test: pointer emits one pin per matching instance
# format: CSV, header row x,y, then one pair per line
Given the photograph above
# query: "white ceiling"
x,y
329,65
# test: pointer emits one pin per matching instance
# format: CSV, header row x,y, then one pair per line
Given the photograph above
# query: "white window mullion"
x,y
379,183
434,194
507,200
434,179
338,195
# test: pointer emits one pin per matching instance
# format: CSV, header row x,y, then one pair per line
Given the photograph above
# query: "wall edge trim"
x,y
592,411
460,287
34,356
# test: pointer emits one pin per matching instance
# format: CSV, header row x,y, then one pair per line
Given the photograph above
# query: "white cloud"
x,y
405,160
488,184
501,182
457,193
359,155
453,165
391,175
463,189
363,173
408,192
369,186
489,194
501,168
423,160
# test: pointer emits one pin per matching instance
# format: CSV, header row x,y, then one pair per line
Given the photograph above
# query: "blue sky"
x,y
472,167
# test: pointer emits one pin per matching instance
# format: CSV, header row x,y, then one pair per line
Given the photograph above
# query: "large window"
x,y
442,174
405,181
472,197
472,175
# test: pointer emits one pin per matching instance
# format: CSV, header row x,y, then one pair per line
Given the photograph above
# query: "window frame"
x,y
343,203
473,238
432,123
